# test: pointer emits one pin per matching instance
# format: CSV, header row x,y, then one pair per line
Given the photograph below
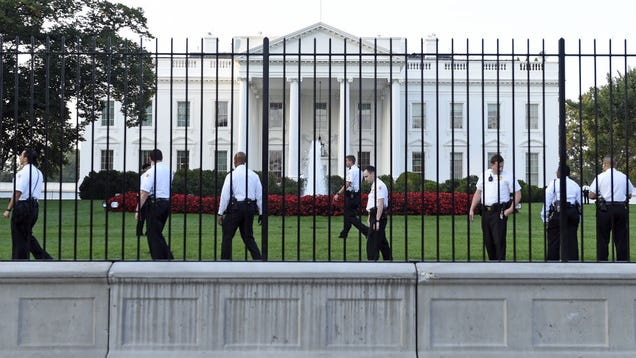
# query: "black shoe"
x,y
342,235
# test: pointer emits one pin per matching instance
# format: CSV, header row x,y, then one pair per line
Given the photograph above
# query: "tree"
x,y
603,121
60,59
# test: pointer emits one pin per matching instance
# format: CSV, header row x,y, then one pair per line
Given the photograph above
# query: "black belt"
x,y
495,207
616,203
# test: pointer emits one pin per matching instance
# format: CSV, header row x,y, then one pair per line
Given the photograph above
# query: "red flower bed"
x,y
430,203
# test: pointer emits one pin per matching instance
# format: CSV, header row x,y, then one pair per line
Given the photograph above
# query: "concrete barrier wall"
x,y
54,309
526,310
231,309
275,309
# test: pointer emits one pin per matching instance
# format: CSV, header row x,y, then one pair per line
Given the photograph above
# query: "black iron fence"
x,y
428,119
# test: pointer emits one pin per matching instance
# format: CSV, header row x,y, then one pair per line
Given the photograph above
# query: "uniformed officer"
x,y
550,214
155,195
377,203
612,191
351,191
24,203
495,190
241,199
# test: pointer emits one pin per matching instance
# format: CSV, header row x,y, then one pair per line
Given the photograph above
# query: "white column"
x,y
344,136
398,123
243,115
294,140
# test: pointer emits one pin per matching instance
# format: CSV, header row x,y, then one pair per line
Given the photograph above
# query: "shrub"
x,y
211,180
409,182
106,183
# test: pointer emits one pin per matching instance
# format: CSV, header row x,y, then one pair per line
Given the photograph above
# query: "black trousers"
x,y
156,216
614,219
376,240
142,220
554,235
25,215
239,216
494,228
351,204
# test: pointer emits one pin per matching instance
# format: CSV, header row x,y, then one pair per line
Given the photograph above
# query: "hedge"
x,y
427,203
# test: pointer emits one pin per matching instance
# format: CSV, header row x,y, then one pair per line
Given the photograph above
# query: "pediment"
x,y
322,33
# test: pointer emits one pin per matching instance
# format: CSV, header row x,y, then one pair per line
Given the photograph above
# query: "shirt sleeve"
x,y
480,183
225,195
259,193
147,181
593,186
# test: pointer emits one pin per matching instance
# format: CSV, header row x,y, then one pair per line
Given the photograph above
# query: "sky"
x,y
412,19
534,25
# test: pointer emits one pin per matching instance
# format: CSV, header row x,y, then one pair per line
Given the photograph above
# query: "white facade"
x,y
373,105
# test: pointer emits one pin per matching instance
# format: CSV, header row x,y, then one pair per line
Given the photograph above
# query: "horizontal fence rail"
x,y
428,116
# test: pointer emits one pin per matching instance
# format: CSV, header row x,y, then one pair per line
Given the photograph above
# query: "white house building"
x,y
422,112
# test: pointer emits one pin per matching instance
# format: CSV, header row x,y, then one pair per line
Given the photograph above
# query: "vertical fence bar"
x,y
329,146
345,132
62,120
124,182
437,144
47,99
562,151
186,156
453,154
406,154
596,169
580,150
360,126
313,149
468,151
216,144
528,128
543,126
110,158
200,209
171,135
245,134
483,130
283,156
265,151
298,125
514,157
422,156
93,100
626,119
610,85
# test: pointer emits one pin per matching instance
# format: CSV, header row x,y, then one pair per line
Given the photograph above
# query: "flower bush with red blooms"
x,y
414,203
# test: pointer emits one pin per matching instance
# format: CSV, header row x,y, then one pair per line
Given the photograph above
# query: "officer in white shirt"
x,y
612,191
377,203
586,194
550,214
351,191
24,203
241,199
495,190
155,194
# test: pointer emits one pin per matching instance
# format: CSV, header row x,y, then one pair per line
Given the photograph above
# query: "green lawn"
x,y
97,235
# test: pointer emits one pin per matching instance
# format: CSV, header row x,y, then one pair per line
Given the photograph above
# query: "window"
x,y
364,159
276,115
221,115
457,115
144,157
532,116
418,115
417,163
183,114
532,168
108,113
321,116
457,165
221,160
107,159
276,162
183,159
364,115
493,115
147,120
